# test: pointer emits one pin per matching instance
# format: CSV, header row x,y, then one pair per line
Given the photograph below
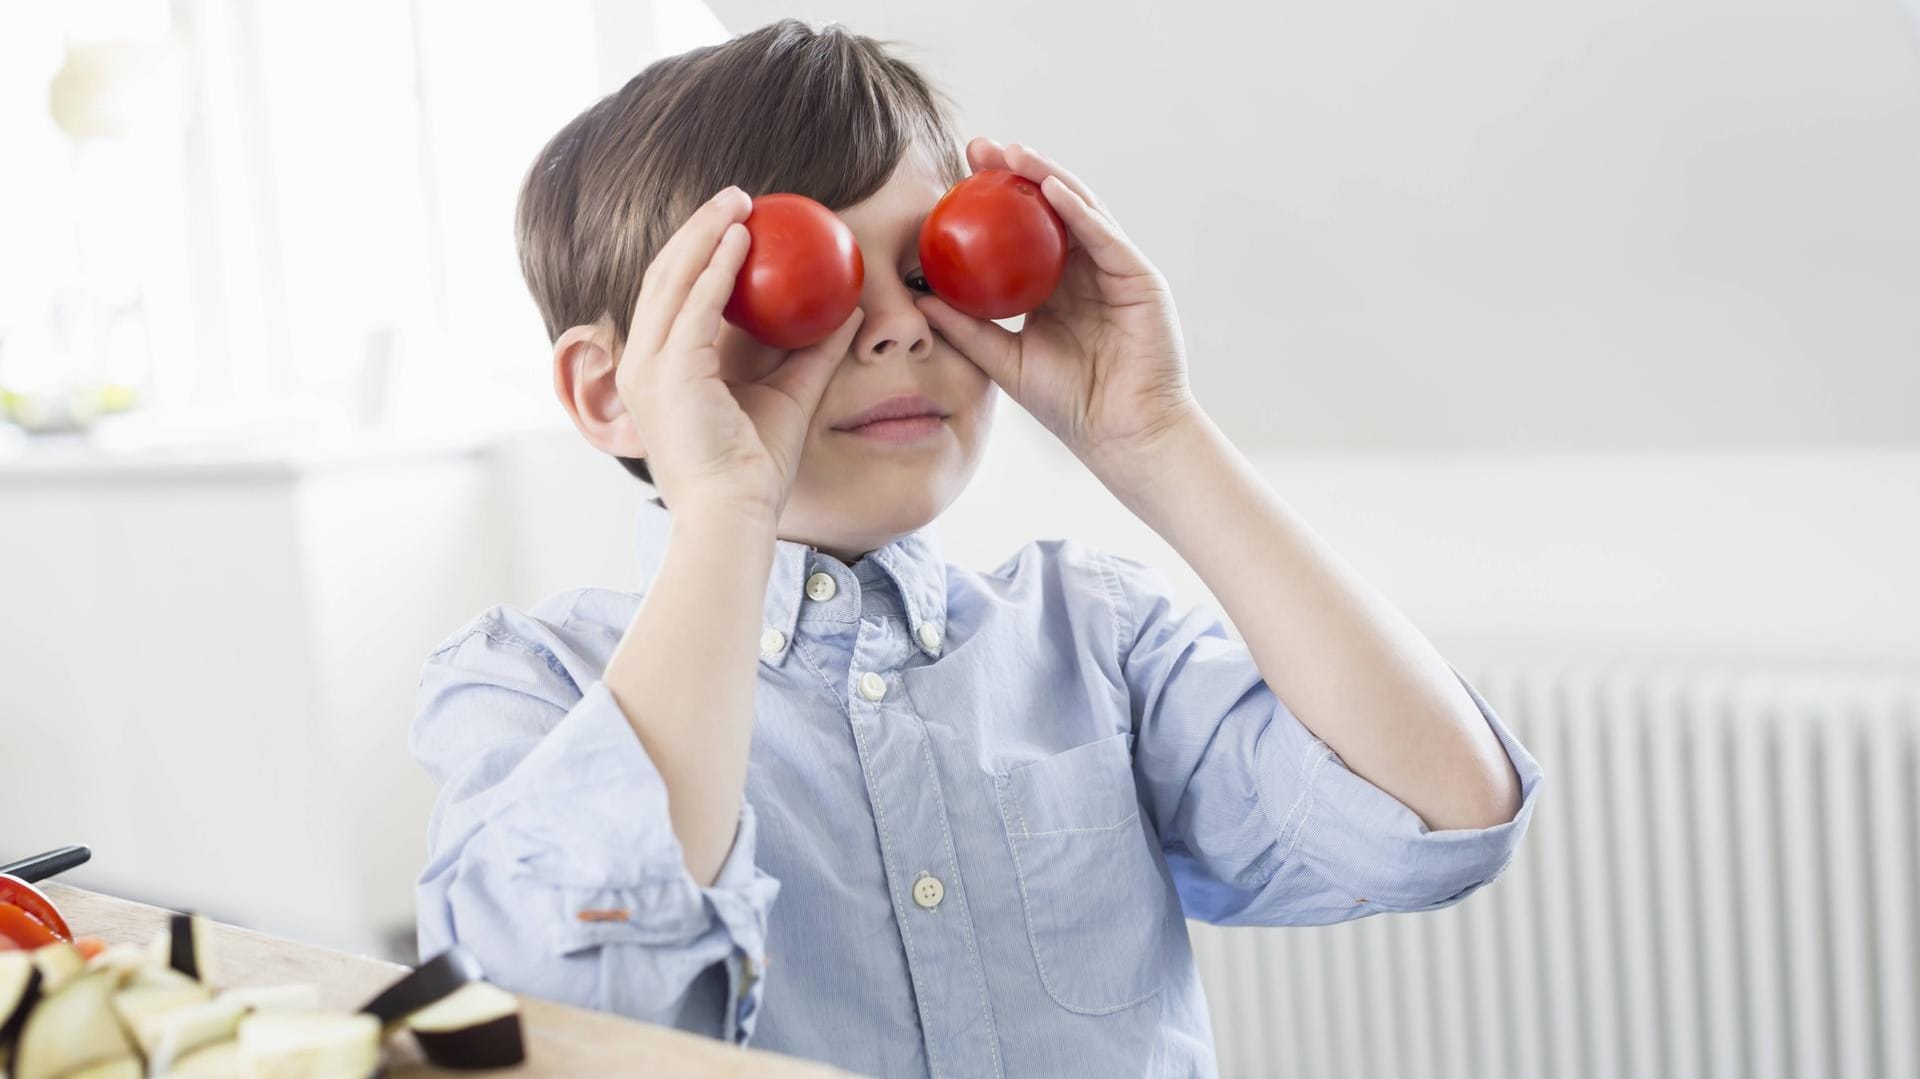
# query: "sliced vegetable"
x,y
477,1026
89,947
71,1029
144,1011
59,964
434,980
152,977
189,948
35,902
19,988
126,958
23,929
306,1045
118,1068
192,1028
218,1061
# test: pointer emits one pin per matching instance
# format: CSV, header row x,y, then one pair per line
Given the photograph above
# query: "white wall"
x,y
1502,224
207,671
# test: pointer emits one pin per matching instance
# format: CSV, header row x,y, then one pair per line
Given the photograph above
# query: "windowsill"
x,y
89,457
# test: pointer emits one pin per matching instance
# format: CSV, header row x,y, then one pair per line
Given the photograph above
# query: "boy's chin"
x,y
875,501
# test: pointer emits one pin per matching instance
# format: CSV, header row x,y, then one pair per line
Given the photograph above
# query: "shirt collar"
x,y
914,562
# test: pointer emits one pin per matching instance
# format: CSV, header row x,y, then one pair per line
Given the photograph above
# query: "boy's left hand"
x,y
1101,362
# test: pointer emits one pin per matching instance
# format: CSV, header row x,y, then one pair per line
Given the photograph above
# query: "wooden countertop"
x,y
561,1040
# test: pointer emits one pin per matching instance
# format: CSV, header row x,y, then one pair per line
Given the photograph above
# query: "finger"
x,y
983,153
698,324
681,260
1037,167
991,348
1109,248
805,373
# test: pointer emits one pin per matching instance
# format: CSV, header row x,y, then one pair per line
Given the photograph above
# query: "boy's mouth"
x,y
900,406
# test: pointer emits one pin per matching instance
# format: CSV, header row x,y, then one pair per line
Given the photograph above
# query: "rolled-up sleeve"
x,y
551,856
1261,821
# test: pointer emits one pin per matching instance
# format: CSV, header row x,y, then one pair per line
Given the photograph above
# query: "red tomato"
x,y
89,946
23,929
993,247
35,902
802,276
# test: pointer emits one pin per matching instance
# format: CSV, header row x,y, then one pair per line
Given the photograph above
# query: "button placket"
x,y
911,809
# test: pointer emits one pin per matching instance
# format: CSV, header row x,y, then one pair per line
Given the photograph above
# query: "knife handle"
x,y
47,863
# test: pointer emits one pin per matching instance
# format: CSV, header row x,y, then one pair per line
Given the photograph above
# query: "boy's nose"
x,y
893,329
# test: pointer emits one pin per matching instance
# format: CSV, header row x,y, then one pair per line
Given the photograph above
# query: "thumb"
x,y
804,374
991,348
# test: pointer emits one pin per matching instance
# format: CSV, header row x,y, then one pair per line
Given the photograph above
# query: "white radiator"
x,y
1722,879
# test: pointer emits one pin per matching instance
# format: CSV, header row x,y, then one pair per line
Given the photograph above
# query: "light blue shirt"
x,y
980,807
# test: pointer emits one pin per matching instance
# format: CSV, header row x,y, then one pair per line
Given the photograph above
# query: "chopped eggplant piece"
x,y
191,1028
127,1067
19,988
144,1011
59,963
310,1045
159,978
189,946
72,1029
431,981
122,957
221,1060
478,1026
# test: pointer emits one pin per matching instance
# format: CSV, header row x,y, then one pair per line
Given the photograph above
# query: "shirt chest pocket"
x,y
1096,902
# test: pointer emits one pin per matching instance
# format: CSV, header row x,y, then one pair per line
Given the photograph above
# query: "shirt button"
x,y
930,635
771,641
872,686
820,587
927,891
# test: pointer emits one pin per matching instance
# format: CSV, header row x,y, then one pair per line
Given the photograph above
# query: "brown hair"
x,y
827,114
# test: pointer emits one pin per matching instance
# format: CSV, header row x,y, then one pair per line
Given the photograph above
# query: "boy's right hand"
x,y
711,442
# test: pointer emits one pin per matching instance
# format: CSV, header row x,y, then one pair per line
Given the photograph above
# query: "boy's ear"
x,y
585,359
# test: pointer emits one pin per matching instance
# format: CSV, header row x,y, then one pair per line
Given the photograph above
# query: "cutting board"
x,y
562,1040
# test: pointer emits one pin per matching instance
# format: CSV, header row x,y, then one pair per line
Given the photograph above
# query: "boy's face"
x,y
858,490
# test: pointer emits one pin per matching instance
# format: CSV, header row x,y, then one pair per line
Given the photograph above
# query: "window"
x,y
309,215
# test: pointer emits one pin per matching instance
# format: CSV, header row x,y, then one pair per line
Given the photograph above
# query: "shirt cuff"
x,y
1364,840
587,817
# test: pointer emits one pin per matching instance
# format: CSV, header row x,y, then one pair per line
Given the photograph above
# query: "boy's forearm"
x,y
684,672
1348,663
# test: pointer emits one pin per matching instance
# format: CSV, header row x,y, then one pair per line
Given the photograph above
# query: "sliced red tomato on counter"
x,y
35,902
23,929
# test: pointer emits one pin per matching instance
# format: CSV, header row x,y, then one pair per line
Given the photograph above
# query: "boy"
x,y
815,787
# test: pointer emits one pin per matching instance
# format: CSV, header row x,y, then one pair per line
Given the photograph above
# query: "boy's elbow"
x,y
1486,802
1491,806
